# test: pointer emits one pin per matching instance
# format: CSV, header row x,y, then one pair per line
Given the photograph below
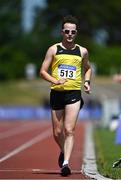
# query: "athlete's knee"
x,y
57,132
69,131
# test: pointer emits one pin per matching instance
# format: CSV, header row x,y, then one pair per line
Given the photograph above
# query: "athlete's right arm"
x,y
46,64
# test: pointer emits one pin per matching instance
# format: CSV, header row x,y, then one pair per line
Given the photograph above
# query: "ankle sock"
x,y
65,162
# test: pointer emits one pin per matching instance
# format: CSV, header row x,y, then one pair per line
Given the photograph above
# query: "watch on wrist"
x,y
88,81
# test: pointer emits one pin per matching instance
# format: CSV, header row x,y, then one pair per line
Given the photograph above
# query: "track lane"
x,y
13,140
9,125
39,161
24,127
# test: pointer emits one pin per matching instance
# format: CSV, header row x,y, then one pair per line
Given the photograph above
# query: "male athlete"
x,y
66,60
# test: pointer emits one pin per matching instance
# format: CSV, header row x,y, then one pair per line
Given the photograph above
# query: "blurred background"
x,y
29,27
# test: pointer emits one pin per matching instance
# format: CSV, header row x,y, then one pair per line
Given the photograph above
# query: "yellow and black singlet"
x,y
67,64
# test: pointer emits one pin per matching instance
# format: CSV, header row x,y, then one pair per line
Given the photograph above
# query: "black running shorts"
x,y
58,99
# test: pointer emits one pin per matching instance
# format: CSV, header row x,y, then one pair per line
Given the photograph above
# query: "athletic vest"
x,y
67,64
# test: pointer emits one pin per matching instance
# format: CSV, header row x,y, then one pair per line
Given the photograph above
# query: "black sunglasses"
x,y
66,31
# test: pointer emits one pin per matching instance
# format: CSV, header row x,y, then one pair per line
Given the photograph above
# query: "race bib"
x,y
67,71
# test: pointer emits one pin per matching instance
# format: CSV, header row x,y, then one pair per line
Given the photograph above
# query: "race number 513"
x,y
67,71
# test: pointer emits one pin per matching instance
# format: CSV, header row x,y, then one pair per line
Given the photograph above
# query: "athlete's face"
x,y
69,32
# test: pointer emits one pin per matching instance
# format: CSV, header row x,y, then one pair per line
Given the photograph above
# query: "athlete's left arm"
x,y
87,70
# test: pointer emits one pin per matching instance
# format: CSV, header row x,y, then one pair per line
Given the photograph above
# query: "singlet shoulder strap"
x,y
79,49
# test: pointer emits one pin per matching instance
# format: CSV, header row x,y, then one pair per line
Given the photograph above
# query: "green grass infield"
x,y
107,152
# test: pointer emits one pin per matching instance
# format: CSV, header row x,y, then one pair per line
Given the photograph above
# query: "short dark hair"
x,y
70,19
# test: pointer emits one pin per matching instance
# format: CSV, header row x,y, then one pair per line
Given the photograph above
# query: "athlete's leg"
x,y
71,115
57,122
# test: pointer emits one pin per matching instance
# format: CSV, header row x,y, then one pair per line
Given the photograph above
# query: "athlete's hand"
x,y
87,88
61,81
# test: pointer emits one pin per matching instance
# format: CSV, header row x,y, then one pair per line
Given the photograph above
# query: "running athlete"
x,y
66,60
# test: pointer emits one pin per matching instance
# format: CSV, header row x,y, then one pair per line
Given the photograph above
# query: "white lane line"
x,y
15,170
38,171
28,144
23,128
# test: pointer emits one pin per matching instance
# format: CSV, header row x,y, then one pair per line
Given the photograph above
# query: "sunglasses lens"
x,y
66,31
73,32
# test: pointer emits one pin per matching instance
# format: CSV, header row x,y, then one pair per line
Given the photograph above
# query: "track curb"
x,y
89,166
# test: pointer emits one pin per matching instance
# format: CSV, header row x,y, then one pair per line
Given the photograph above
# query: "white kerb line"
x,y
28,144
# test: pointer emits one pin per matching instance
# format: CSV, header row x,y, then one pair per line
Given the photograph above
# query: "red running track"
x,y
28,151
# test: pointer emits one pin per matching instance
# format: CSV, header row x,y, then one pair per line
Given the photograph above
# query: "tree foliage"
x,y
9,21
92,15
10,33
18,48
